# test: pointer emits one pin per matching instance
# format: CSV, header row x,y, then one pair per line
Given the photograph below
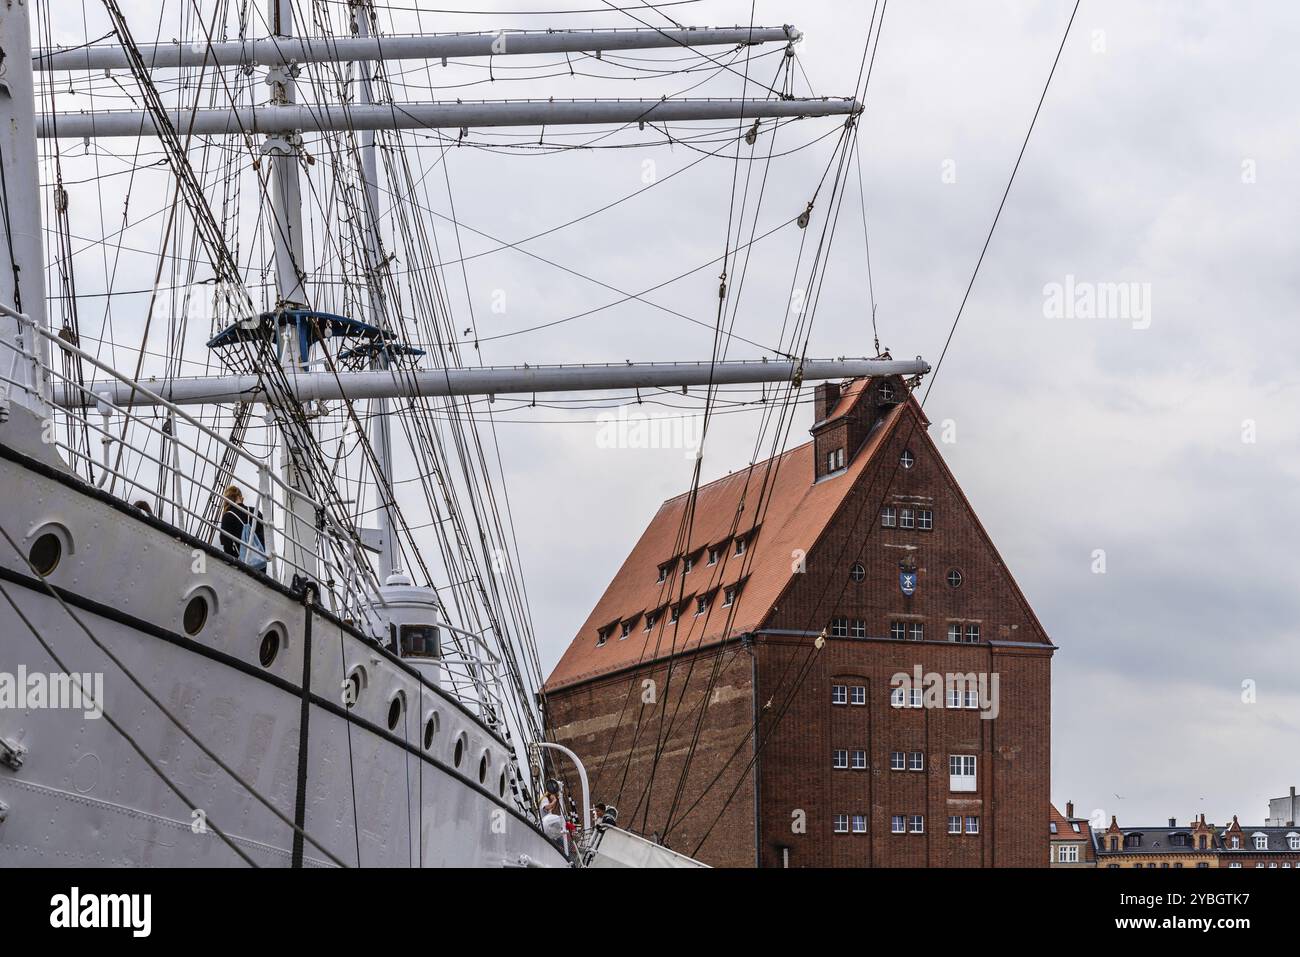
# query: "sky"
x,y
1136,470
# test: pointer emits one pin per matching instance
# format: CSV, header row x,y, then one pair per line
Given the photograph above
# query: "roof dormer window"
x,y
714,554
626,630
701,605
729,596
835,460
687,564
740,546
663,573
602,635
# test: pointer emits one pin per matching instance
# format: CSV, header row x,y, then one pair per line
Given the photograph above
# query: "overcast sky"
x,y
1167,438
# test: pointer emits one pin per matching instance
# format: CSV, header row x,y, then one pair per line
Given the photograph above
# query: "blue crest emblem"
x,y
907,581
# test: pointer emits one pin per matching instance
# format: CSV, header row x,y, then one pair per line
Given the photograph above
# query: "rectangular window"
x,y
1068,854
650,620
924,519
688,564
973,634
898,824
858,694
835,460
954,631
858,628
917,824
973,699
897,761
898,630
916,760
740,546
663,573
839,694
713,555
602,636
841,824
627,630
728,597
915,696
674,615
839,628
916,631
954,698
888,517
898,697
701,606
961,772
973,825
841,759
906,518
859,762
954,823
859,824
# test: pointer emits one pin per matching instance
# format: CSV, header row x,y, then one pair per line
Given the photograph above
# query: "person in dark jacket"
x,y
234,516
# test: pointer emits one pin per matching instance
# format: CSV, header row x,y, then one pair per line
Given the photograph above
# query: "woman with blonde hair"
x,y
240,532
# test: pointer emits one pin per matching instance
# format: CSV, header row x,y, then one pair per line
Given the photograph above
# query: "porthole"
x,y
394,711
45,554
196,615
269,649
353,686
459,754
501,784
483,768
955,577
430,730
857,572
907,459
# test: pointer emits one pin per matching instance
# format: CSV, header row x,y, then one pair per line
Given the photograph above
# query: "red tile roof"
x,y
791,512
1065,826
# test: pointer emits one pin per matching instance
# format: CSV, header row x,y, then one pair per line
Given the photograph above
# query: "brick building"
x,y
794,596
1169,845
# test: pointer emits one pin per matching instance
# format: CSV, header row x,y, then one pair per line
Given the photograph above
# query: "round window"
x,y
196,615
501,784
483,768
269,649
394,712
857,572
955,578
907,459
430,730
459,754
45,554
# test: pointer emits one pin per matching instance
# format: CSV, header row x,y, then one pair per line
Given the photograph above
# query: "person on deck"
x,y
234,517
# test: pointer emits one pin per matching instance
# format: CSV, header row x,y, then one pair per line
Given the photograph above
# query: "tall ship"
x,y
260,598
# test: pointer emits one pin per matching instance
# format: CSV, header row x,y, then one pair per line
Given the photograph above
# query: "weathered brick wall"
x,y
599,721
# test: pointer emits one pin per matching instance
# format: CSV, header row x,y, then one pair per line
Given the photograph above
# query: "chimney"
x,y
1173,822
825,395
1291,823
1069,810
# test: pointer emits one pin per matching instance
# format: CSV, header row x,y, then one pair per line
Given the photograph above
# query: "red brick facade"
x,y
777,670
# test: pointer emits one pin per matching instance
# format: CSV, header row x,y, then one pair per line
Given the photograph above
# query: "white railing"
x,y
185,469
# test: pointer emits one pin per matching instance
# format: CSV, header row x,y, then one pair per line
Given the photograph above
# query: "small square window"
x,y
973,827
729,597
916,761
839,628
674,614
954,823
840,759
916,631
897,630
886,392
841,824
858,761
858,628
897,761
651,620
906,518
898,824
916,698
839,694
663,573
740,546
859,824
701,605
972,634
627,630
954,698
687,565
916,825
954,631
858,694
713,556
602,636
898,697
888,517
924,519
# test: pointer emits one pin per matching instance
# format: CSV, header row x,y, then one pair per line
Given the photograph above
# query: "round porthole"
x,y
269,649
196,615
430,730
394,711
352,688
459,754
483,768
907,459
955,577
857,572
501,784
45,554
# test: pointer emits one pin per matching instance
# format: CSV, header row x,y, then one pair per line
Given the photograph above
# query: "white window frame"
x,y
857,572
925,519
858,760
916,760
972,824
857,628
839,694
701,605
917,699
906,518
972,634
1261,842
840,759
898,697
907,459
839,627
889,517
1293,841
954,823
954,631
962,776
898,824
859,824
841,824
898,760
916,631
916,824
663,573
898,630
740,546
714,552
954,698
858,694
728,596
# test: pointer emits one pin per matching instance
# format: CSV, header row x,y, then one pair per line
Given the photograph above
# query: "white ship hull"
x,y
83,797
